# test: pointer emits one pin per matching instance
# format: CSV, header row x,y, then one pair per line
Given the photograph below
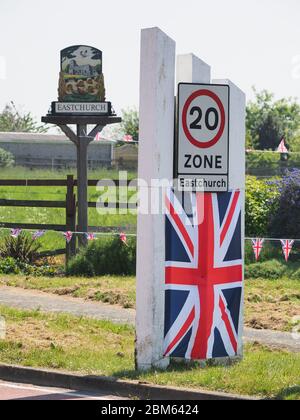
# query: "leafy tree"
x,y
11,120
130,123
268,120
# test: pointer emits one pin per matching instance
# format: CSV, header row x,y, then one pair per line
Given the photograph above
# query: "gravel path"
x,y
32,300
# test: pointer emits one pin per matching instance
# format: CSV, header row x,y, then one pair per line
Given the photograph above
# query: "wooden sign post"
x,y
81,103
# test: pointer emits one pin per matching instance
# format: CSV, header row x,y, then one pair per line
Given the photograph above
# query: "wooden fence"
x,y
70,206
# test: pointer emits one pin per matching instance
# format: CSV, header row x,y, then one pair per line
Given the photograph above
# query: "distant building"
x,y
53,151
85,70
126,157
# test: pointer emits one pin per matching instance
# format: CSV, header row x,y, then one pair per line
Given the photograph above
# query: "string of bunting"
x,y
286,244
15,233
257,243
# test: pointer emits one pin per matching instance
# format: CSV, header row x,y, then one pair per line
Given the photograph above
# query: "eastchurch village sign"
x,y
81,102
81,83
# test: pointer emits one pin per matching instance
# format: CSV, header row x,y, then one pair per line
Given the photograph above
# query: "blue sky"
x,y
251,42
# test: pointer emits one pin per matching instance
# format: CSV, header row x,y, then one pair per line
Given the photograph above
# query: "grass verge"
x,y
102,348
270,304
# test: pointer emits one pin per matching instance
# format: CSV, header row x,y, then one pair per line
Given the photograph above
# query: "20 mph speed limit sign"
x,y
201,155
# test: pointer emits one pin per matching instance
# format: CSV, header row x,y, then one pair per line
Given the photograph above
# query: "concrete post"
x,y
155,162
191,69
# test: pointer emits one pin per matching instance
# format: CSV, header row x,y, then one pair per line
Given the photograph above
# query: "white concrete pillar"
x,y
191,69
237,166
155,162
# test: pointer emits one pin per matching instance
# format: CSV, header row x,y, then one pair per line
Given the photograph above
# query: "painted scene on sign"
x,y
81,78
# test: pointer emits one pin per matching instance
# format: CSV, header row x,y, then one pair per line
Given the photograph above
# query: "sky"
x,y
251,42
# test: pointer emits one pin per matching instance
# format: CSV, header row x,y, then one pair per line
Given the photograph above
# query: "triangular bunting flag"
x,y
90,236
257,245
282,147
68,236
15,233
123,238
38,234
287,246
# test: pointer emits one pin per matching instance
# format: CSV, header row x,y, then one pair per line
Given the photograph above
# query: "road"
x,y
13,391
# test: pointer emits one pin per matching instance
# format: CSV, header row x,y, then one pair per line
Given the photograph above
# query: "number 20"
x,y
196,124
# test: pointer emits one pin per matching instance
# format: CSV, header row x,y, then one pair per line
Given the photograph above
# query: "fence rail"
x,y
70,206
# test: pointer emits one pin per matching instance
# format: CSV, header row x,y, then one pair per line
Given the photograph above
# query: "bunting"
x,y
257,245
287,246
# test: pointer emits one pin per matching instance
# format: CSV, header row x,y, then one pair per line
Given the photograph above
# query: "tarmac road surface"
x,y
20,392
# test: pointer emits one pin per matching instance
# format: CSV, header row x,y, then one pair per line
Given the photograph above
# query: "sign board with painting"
x,y
81,88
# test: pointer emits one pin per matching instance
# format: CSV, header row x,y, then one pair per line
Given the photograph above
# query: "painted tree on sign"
x,y
11,120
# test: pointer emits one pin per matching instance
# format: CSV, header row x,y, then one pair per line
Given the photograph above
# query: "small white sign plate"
x,y
82,108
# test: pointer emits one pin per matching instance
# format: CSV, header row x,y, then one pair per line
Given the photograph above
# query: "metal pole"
x,y
82,179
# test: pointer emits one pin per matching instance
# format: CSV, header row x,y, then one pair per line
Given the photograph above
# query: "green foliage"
x,y
6,159
272,270
269,163
130,123
268,120
11,120
260,203
23,248
285,220
10,265
105,256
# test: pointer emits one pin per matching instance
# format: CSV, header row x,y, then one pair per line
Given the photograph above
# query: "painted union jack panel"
x,y
204,275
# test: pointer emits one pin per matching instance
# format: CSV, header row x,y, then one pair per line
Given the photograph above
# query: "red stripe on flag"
x,y
228,325
230,216
182,332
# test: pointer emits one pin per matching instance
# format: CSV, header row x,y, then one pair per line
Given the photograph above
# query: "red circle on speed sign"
x,y
191,138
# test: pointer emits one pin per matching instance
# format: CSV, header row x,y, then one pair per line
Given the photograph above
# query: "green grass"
x,y
269,304
272,304
54,240
102,348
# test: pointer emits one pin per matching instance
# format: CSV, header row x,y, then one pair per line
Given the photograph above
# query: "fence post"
x,y
70,217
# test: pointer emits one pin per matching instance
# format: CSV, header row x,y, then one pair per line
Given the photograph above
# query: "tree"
x,y
130,123
11,120
268,120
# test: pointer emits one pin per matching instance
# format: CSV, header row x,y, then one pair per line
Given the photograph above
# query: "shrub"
x,y
285,220
23,248
268,270
6,159
260,203
80,266
9,266
105,256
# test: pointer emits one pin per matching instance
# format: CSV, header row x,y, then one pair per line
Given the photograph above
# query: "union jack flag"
x,y
204,276
90,236
68,236
38,234
15,233
257,245
287,246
